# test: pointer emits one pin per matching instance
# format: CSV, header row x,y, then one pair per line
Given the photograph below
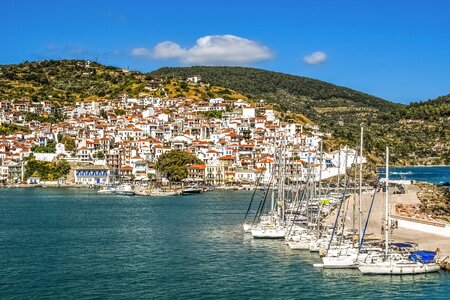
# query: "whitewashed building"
x,y
92,175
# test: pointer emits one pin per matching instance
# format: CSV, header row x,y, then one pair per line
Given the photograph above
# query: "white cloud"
x,y
315,58
168,49
141,52
213,50
225,49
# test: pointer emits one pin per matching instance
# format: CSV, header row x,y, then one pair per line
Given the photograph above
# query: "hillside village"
x,y
110,141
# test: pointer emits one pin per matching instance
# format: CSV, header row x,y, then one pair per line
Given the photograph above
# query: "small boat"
x,y
191,189
125,189
109,189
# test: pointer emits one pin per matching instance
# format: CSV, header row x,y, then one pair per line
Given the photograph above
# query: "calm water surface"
x,y
436,175
74,243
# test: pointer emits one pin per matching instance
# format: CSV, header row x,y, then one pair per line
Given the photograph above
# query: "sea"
x,y
62,243
434,174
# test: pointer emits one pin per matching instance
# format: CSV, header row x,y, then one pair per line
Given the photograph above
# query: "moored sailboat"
x,y
396,263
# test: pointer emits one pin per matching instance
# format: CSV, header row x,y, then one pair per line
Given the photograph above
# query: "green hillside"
x,y
312,96
65,81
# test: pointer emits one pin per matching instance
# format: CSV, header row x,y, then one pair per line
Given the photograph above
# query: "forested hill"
x,y
431,109
290,91
66,81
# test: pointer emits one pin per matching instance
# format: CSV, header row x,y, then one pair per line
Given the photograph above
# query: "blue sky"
x,y
397,50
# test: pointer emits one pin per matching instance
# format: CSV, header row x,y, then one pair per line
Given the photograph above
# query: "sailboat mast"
x,y
339,169
360,183
272,202
345,167
283,183
320,169
386,229
275,165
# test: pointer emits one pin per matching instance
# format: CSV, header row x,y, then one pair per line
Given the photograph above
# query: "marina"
x,y
303,216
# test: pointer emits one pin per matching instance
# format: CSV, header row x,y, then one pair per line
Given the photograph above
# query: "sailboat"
x,y
302,236
347,255
391,263
272,225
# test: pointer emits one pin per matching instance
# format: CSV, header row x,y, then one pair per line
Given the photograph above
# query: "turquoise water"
x,y
74,243
437,175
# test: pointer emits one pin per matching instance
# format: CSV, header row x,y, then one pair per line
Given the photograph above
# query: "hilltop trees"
x,y
173,164
66,81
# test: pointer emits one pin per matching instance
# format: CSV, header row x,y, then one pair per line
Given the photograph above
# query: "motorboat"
x,y
124,189
191,189
109,189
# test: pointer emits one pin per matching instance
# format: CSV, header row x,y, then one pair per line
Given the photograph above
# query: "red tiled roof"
x,y
226,157
198,167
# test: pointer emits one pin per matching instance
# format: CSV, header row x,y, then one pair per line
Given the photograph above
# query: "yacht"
x,y
191,189
125,189
268,232
399,264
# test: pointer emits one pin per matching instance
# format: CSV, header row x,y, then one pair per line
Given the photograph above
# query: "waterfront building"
x,y
92,175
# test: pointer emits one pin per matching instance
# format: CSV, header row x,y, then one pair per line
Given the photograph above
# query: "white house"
x,y
245,176
215,101
248,112
92,175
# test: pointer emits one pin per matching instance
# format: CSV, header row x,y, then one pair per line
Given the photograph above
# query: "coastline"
x,y
413,166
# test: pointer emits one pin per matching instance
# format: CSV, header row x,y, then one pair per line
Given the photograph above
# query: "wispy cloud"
x,y
315,58
168,50
141,52
210,50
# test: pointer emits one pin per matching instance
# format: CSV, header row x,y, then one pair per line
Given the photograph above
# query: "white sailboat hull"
x,y
398,268
342,261
300,245
268,233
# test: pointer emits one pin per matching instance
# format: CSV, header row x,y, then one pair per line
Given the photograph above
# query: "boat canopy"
x,y
422,256
402,245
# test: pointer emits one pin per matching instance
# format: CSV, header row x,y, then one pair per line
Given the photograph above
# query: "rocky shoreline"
x,y
435,200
